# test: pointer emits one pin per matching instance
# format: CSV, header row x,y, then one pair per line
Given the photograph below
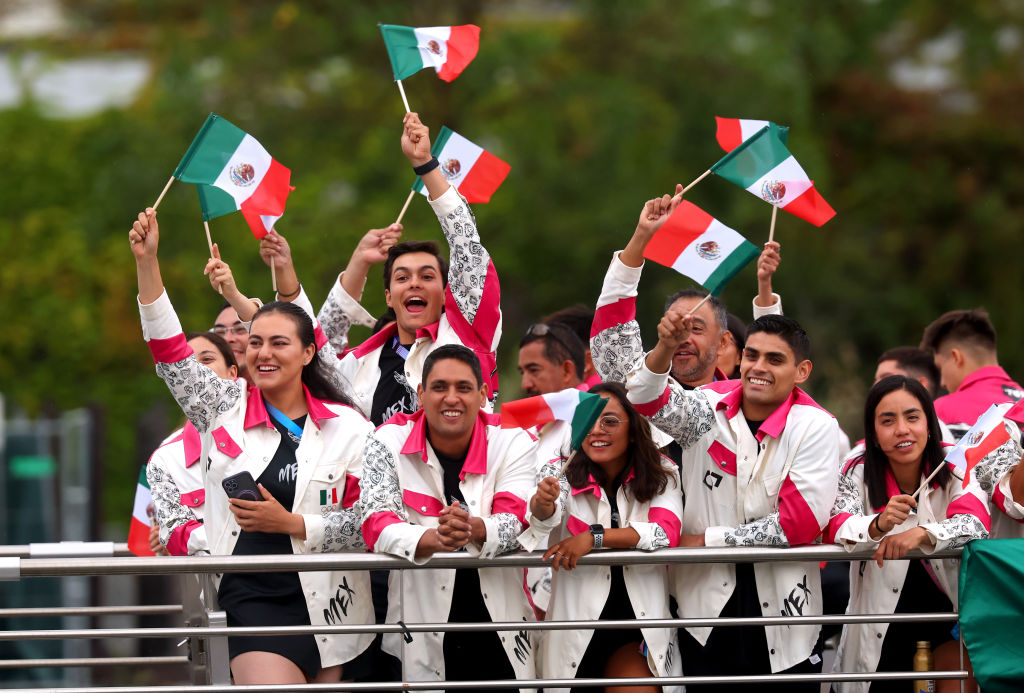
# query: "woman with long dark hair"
x,y
296,436
875,507
618,492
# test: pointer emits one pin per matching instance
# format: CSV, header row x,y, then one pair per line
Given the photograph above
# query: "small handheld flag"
x,y
138,533
235,173
447,49
694,243
474,171
732,132
987,434
764,166
580,409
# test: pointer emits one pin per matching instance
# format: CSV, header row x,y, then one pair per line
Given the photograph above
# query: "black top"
x,y
754,426
393,394
279,479
451,467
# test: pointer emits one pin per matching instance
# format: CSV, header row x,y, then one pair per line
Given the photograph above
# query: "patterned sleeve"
x,y
664,516
338,313
538,531
201,395
992,475
686,415
170,513
385,524
615,343
472,301
848,524
967,515
342,531
513,486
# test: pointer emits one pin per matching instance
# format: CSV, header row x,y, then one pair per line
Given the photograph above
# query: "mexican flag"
x,y
764,166
580,409
987,434
732,132
694,243
138,533
447,49
474,171
234,172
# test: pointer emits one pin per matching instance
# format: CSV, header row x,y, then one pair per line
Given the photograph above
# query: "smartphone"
x,y
242,486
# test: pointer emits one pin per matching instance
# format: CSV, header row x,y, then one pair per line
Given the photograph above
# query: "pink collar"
x,y
256,413
985,373
595,488
387,333
776,422
476,456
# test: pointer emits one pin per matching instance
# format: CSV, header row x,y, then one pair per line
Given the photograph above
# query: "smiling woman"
x,y
876,507
295,435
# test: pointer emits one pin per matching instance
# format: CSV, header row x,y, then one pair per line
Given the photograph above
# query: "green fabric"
x,y
730,267
992,612
435,149
403,50
210,151
215,202
586,414
757,155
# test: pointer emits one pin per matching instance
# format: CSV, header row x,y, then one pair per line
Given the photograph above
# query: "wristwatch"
x,y
598,532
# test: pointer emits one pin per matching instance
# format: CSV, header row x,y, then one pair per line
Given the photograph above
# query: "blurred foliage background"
x,y
905,113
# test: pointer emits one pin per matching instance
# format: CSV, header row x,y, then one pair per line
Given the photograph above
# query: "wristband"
x,y
878,526
427,167
292,294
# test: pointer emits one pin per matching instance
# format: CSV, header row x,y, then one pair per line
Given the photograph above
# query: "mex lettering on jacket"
x,y
343,598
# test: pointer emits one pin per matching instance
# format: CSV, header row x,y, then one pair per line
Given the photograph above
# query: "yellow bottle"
x,y
923,662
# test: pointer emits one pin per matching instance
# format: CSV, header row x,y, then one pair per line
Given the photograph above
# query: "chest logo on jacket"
x,y
712,480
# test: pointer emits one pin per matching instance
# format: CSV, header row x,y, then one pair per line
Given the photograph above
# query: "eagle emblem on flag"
x,y
773,191
243,175
434,47
451,168
709,250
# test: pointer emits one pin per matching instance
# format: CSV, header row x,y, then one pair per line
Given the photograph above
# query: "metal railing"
x,y
207,631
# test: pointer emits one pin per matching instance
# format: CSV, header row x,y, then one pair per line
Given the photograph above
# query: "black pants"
x,y
741,650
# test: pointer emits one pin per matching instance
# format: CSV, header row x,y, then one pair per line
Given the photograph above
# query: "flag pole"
x,y
699,179
163,192
702,302
771,229
408,201
273,274
209,242
565,466
401,90
930,477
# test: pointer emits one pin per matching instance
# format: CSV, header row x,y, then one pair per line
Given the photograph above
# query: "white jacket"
x,y
773,490
951,515
237,435
471,317
582,593
402,497
176,483
993,474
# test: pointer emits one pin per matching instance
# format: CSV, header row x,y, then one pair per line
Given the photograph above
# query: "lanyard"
x,y
399,349
283,420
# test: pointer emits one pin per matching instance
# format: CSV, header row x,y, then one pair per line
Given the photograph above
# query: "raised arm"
x,y
197,389
342,308
473,296
767,302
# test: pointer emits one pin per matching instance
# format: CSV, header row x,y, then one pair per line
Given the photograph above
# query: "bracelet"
x,y
878,526
427,167
292,294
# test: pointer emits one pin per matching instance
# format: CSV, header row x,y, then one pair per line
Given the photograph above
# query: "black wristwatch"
x,y
598,532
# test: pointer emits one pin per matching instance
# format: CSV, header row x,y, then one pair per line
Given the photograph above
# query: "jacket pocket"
x,y
422,503
225,444
193,499
725,459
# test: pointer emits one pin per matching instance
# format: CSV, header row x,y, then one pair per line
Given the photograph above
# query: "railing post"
x,y
217,657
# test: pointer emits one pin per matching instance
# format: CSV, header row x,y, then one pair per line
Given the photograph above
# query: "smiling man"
x,y
448,478
758,469
432,305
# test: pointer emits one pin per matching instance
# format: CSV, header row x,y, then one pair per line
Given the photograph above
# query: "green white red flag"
x,y
234,172
732,132
580,409
474,171
694,243
764,166
447,49
138,532
987,434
